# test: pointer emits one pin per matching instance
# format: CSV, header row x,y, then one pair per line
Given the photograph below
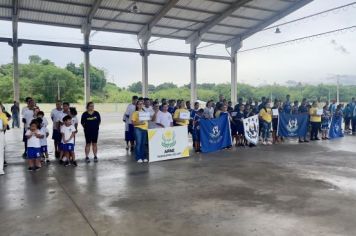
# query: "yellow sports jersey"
x,y
266,114
313,116
135,118
4,120
176,117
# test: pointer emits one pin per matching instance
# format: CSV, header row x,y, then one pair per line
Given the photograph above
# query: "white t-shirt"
x,y
56,115
64,115
44,122
67,131
28,116
129,110
150,110
164,118
209,112
24,109
44,132
33,141
74,120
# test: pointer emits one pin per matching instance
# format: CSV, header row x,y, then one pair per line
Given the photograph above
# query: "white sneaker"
x,y
269,143
264,143
145,160
139,161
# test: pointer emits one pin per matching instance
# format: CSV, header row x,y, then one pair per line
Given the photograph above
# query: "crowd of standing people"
x,y
144,113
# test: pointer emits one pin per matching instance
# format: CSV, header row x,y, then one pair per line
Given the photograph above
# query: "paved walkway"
x,y
288,189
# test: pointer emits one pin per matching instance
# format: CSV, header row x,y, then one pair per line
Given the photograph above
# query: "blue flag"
x,y
290,125
335,127
215,134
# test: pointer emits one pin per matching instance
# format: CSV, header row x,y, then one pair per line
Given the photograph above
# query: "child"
x,y
265,116
41,115
196,129
73,113
240,141
68,134
43,141
325,122
33,135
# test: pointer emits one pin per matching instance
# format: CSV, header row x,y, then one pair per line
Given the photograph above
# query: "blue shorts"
x,y
68,147
33,153
44,149
56,135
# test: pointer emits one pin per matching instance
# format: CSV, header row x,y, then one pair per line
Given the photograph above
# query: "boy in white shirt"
x,y
56,116
164,118
43,141
68,132
33,136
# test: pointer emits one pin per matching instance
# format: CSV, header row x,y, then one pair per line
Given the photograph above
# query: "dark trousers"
x,y
353,124
315,126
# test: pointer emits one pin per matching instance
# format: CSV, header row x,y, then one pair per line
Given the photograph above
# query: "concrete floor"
x,y
287,189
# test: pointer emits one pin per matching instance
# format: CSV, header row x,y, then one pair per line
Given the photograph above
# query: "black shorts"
x,y
56,136
274,124
91,136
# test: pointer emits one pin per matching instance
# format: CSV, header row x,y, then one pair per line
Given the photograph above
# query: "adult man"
x,y
28,116
15,110
303,109
129,128
56,116
287,107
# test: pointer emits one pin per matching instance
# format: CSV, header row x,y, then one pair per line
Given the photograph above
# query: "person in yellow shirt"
x,y
140,133
3,125
176,115
315,121
265,116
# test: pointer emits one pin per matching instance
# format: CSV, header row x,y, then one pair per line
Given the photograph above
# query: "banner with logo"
x,y
335,130
251,128
292,125
168,143
215,134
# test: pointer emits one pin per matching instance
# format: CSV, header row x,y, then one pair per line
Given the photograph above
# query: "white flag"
x,y
251,128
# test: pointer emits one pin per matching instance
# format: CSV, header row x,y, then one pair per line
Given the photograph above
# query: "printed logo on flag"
x,y
292,126
215,135
251,128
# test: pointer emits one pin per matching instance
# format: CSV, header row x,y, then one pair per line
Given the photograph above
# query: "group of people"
x,y
144,113
65,128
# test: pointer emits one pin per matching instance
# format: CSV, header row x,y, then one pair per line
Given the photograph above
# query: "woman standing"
x,y
266,120
315,121
179,119
3,125
141,127
91,121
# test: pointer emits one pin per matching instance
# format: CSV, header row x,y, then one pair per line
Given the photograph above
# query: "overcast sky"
x,y
310,61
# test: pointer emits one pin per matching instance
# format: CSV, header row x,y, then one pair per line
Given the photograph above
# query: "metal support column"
x,y
193,73
144,54
86,50
233,60
15,53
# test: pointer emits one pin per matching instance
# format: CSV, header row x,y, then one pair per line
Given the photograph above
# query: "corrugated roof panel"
x,y
239,22
189,14
117,25
49,18
180,23
126,5
54,7
6,2
227,30
216,37
165,31
254,13
203,5
101,13
5,12
273,4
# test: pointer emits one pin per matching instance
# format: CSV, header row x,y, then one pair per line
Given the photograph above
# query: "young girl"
x,y
33,136
325,122
43,141
68,134
196,129
266,119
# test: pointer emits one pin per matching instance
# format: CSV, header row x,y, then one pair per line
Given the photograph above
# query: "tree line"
x,y
43,80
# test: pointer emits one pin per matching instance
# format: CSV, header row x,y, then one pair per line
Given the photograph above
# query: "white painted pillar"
x,y
15,53
144,55
193,73
234,49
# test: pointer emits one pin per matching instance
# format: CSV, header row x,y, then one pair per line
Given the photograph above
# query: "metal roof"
x,y
221,21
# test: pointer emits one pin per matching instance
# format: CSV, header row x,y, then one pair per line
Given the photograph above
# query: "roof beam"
x,y
285,12
216,20
93,10
145,31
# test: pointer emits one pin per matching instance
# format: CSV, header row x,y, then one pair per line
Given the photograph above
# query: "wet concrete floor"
x,y
287,189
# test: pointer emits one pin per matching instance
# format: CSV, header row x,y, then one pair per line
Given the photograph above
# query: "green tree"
x,y
34,59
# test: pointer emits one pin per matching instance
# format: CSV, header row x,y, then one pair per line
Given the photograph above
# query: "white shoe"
x,y
264,143
139,161
269,143
145,160
2,173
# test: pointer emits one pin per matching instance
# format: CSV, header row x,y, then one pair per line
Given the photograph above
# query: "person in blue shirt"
x,y
287,106
332,107
295,108
353,115
347,117
196,129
